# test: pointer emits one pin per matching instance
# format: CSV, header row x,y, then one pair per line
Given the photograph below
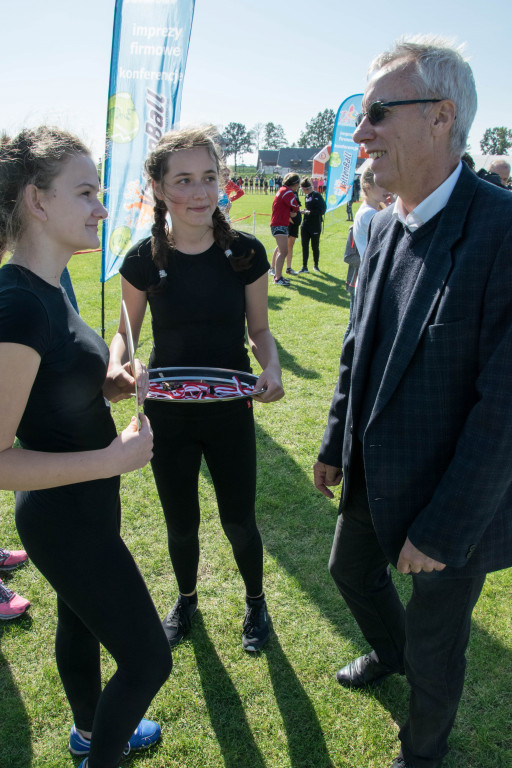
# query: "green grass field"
x,y
282,708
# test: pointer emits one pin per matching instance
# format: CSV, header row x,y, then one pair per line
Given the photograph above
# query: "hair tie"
x,y
162,273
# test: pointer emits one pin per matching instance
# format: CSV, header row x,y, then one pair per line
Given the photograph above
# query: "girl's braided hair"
x,y
156,166
34,156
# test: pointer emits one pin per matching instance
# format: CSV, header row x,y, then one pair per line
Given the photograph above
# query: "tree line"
x,y
236,139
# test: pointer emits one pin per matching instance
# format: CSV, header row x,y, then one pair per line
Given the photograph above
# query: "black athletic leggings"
x,y
306,236
224,434
72,536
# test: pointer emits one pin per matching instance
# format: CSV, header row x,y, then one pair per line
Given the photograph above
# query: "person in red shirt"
x,y
284,208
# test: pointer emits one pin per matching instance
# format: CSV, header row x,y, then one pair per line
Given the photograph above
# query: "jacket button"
x,y
470,551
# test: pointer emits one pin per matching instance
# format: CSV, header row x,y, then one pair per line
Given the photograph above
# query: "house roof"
x,y
297,157
289,157
268,156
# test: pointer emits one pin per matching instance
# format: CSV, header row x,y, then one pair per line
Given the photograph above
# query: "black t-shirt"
x,y
199,317
315,204
66,410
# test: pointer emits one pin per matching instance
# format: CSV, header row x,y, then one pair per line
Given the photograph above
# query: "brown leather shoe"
x,y
363,671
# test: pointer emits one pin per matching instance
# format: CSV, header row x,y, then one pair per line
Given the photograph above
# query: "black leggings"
x,y
306,236
224,434
72,536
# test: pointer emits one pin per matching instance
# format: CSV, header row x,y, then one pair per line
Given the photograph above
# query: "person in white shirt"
x,y
375,198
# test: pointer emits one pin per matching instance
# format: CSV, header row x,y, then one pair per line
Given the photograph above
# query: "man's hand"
x,y
324,475
411,560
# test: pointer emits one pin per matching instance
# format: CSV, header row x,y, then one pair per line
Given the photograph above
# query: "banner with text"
x,y
149,54
343,159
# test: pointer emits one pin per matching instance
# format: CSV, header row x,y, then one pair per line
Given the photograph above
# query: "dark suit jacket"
x,y
438,446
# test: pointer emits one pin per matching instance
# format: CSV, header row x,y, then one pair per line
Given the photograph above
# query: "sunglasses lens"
x,y
359,118
376,112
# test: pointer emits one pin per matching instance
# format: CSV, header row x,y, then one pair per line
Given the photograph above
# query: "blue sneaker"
x,y
83,764
77,744
145,735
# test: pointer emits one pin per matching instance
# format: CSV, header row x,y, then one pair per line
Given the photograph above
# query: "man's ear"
x,y
32,197
443,117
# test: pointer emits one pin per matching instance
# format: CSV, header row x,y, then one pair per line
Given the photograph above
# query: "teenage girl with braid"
x,y
204,282
66,468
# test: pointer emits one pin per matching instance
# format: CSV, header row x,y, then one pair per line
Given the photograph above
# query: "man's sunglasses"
x,y
377,110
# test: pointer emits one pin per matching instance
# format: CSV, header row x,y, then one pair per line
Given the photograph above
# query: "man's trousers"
x,y
427,639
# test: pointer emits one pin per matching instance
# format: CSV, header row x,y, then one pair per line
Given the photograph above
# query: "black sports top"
x,y
199,317
66,410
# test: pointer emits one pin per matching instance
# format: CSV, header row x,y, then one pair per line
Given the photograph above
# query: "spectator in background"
x,y
284,209
293,233
228,193
354,198
466,157
311,225
502,168
375,199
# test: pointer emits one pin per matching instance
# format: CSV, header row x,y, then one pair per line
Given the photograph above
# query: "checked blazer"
x,y
438,445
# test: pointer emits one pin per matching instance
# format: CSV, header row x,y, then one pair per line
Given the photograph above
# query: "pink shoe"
x,y
12,559
11,604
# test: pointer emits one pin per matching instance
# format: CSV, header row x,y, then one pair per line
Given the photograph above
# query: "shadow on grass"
x,y
225,707
289,362
299,538
323,288
15,738
306,742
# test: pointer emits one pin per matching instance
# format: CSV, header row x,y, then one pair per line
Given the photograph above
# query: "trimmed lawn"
x,y
281,708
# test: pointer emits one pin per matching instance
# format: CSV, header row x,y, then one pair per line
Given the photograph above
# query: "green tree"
x,y
235,140
318,131
496,141
274,137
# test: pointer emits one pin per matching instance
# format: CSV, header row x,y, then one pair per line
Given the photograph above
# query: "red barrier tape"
x,y
233,221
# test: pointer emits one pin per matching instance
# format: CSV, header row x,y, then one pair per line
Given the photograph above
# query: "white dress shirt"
x,y
428,207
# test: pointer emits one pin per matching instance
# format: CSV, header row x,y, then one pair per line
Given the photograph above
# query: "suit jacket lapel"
x,y
372,275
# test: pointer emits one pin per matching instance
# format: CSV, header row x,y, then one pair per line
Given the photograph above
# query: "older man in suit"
x,y
420,425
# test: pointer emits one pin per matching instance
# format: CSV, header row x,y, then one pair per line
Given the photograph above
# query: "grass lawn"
x,y
282,708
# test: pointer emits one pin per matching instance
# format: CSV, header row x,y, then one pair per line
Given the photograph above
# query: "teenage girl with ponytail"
x,y
204,282
66,468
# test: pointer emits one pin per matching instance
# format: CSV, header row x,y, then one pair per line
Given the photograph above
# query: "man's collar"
x,y
428,208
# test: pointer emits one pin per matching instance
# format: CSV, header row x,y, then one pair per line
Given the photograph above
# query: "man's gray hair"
x,y
439,70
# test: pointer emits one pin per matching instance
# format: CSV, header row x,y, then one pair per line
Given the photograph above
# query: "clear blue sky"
x,y
249,61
